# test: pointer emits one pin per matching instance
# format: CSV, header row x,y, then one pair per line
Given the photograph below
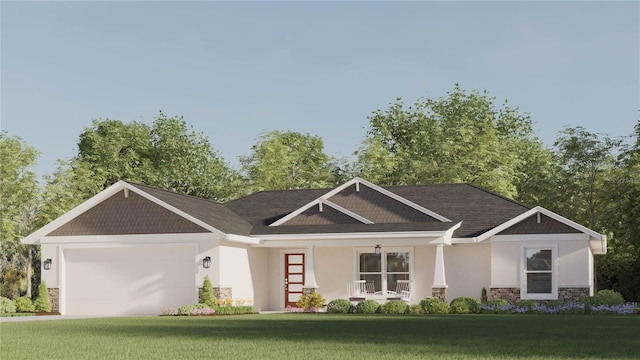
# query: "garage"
x,y
130,280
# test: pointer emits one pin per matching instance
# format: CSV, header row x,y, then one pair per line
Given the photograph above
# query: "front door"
x,y
293,278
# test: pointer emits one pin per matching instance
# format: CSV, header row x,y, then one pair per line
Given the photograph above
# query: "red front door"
x,y
293,278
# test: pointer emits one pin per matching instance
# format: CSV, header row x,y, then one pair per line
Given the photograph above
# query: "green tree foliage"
x,y
41,302
458,138
207,297
620,267
288,160
19,206
168,155
586,162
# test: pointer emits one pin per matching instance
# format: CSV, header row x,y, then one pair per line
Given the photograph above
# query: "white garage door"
x,y
129,280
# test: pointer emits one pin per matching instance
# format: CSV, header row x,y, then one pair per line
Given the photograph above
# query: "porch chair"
x,y
357,290
403,291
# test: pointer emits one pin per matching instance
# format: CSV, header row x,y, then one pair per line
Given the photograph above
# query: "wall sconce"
x,y
206,262
378,248
47,264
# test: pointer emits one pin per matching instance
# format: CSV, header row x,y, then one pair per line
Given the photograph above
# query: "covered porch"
x,y
407,267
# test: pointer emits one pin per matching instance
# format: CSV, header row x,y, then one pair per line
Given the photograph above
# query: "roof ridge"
x,y
498,195
173,192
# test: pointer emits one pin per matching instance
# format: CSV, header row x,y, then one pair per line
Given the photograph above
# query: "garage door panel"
x,y
130,280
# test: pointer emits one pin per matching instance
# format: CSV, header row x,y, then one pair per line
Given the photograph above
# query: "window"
x,y
539,278
384,270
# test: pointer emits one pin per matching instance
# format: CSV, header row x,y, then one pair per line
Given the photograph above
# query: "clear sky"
x,y
237,69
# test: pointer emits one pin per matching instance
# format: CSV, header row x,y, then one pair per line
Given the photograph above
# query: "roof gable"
x,y
126,212
368,203
539,224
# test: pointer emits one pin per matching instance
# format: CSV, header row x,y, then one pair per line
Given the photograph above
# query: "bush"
x,y
416,309
206,297
342,306
197,309
7,305
395,307
24,304
311,302
483,296
41,303
235,310
610,297
458,307
367,307
497,306
473,305
526,304
434,306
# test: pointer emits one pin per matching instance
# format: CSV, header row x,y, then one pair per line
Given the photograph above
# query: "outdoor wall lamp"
x,y
206,262
378,248
47,264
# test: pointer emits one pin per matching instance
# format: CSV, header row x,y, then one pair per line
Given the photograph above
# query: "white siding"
x,y
467,269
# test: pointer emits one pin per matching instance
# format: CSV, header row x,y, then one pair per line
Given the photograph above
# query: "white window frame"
x,y
383,253
553,295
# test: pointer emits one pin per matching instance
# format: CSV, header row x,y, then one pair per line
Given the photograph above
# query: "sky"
x,y
235,70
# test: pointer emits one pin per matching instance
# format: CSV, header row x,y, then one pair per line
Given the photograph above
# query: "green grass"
x,y
326,336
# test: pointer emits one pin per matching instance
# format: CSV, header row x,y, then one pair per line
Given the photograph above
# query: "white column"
x,y
438,274
310,269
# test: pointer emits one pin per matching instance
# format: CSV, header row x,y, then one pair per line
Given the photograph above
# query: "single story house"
x,y
134,249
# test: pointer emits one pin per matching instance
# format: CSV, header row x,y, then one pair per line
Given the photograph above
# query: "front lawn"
x,y
326,336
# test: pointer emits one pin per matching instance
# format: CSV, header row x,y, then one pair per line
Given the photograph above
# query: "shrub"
x,y
7,305
473,305
24,304
197,309
339,306
235,310
367,307
395,307
483,295
610,297
416,309
496,306
206,297
434,306
527,305
41,303
311,302
458,307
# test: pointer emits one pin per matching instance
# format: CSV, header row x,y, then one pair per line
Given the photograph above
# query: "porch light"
x,y
206,262
378,249
47,264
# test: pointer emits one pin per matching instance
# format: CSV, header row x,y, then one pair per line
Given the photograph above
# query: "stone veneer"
x,y
222,293
572,294
54,299
439,293
308,290
512,295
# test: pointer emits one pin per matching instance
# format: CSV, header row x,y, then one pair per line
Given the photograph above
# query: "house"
x,y
134,249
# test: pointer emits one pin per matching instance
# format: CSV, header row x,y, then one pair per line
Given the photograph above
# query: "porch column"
x,y
310,284
439,288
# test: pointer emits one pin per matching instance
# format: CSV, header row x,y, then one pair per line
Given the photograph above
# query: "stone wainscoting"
x,y
222,293
308,290
439,293
512,295
54,299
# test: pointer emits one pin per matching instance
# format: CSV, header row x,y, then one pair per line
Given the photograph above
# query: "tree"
x,y
586,163
620,267
289,160
458,138
19,192
185,161
168,155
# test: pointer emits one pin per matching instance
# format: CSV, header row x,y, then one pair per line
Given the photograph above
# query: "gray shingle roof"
x,y
478,209
211,213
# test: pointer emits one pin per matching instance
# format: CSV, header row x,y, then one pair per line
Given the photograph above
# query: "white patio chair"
x,y
403,291
357,290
